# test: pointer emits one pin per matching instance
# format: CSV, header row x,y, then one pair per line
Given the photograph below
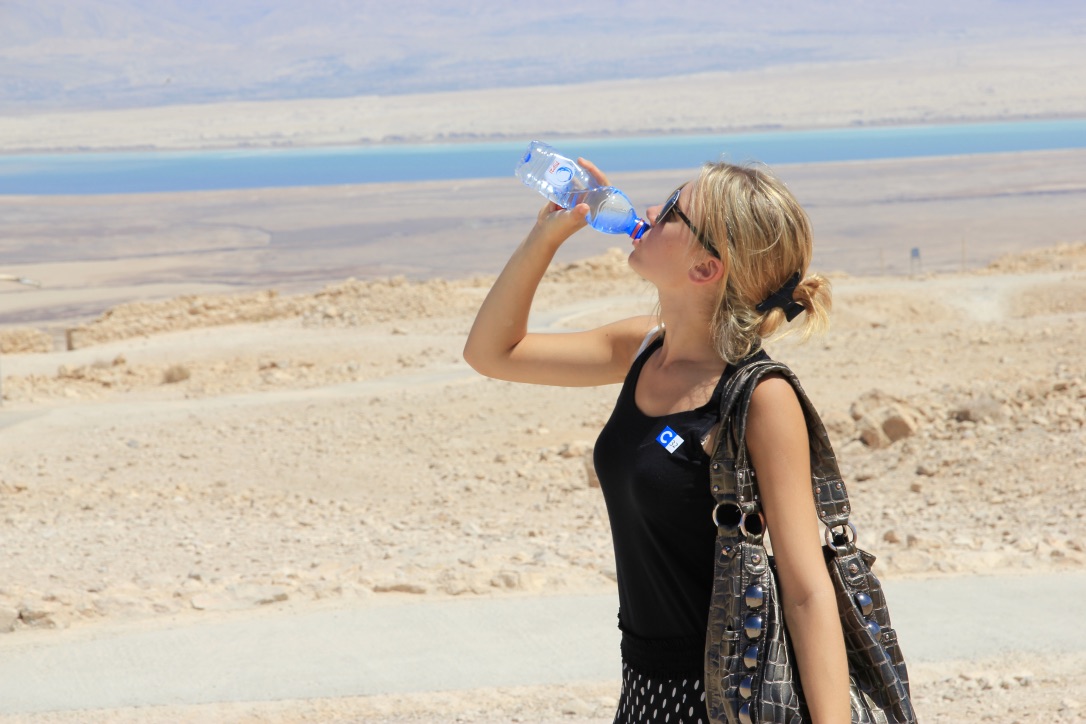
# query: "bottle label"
x,y
559,173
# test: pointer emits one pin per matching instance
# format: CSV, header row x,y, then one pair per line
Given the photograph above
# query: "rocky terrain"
x,y
214,453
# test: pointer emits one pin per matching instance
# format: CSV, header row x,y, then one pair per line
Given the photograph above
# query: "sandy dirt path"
x,y
401,648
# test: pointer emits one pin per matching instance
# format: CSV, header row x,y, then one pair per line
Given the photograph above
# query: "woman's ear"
x,y
706,271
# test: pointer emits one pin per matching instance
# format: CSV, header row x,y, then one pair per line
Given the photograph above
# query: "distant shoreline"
x,y
467,139
142,172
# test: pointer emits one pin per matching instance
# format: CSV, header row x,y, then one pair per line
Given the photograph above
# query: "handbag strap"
x,y
830,494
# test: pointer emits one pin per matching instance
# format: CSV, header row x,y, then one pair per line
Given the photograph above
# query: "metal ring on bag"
x,y
742,525
716,509
830,536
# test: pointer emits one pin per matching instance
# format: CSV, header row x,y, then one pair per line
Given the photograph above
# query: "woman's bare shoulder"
x,y
774,406
772,390
632,335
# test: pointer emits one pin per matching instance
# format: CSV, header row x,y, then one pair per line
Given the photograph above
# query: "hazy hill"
x,y
130,53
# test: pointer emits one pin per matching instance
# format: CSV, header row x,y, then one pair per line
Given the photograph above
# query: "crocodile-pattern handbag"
x,y
751,673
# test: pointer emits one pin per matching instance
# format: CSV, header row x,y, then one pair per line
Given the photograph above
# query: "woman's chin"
x,y
634,262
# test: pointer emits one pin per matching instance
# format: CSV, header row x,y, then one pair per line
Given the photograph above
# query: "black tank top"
x,y
654,474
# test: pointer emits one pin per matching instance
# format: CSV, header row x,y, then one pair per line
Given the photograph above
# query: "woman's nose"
x,y
651,212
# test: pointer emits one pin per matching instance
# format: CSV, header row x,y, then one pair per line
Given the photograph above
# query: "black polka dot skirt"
x,y
646,700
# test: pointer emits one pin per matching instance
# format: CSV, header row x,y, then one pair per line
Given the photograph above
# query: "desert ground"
x,y
209,453
236,401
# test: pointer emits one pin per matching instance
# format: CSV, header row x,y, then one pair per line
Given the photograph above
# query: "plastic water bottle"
x,y
565,183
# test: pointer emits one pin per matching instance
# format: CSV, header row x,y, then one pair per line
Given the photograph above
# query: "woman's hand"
x,y
556,224
599,176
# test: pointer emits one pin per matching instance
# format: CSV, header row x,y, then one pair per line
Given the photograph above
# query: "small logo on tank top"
x,y
669,439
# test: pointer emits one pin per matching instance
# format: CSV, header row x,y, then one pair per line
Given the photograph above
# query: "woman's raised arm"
x,y
499,344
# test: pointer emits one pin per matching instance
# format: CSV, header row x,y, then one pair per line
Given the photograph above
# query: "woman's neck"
x,y
688,322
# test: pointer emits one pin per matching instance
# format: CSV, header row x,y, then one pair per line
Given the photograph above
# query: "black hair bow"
x,y
783,298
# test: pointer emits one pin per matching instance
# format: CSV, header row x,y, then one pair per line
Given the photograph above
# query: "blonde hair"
x,y
763,237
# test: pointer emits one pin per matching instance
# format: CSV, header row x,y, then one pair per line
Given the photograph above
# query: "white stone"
x,y
8,618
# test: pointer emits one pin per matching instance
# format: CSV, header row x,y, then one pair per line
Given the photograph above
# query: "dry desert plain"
x,y
210,453
239,425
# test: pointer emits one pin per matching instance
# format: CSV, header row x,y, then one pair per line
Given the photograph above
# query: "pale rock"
x,y
255,594
882,419
453,583
543,558
897,423
63,596
9,616
41,615
962,541
239,597
400,587
575,449
509,580
982,409
1037,390
578,707
871,433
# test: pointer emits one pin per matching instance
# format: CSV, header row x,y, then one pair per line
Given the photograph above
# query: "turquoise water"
x,y
107,173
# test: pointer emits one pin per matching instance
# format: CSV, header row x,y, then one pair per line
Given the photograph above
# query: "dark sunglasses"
x,y
672,206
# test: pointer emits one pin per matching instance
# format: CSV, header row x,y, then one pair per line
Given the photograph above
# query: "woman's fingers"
x,y
548,208
580,212
600,176
565,221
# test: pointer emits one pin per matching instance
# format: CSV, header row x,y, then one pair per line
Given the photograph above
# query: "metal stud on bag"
x,y
865,603
755,596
